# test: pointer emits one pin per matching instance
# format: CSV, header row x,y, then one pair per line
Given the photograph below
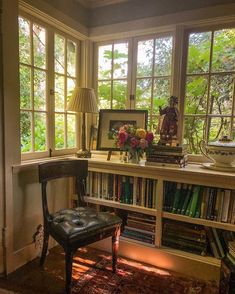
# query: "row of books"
x,y
168,156
140,227
198,239
123,189
199,201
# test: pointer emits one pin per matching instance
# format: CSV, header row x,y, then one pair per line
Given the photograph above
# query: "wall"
x,y
137,9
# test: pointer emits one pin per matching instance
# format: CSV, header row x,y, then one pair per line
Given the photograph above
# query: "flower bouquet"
x,y
134,140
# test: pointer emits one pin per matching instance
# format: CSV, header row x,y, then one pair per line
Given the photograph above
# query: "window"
x,y
149,79
48,74
209,92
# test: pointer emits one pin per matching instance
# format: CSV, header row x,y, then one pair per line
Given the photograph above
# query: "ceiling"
x,y
98,3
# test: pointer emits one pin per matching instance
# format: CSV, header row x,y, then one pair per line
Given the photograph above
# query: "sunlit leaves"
x,y
25,87
39,90
104,62
59,131
196,95
145,58
59,93
71,131
71,58
59,52
224,51
143,93
24,40
194,129
199,52
39,131
163,56
104,94
120,60
119,94
221,94
26,133
39,46
218,126
161,93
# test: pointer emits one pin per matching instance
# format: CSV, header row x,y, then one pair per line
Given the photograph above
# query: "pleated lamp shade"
x,y
83,100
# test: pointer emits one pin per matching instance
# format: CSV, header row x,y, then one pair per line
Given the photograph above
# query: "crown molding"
x,y
99,3
72,27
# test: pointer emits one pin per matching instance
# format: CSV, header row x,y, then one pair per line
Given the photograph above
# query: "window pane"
x,y
40,131
199,52
218,126
24,40
105,62
39,90
59,93
59,53
25,87
39,46
70,87
119,94
120,60
194,129
26,131
71,58
163,56
71,142
104,94
221,94
59,131
145,58
196,95
143,93
224,50
161,93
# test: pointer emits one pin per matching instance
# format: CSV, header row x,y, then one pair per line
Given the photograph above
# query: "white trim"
x,y
198,17
79,32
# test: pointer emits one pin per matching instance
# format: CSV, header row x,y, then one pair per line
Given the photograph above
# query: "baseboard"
x,y
166,259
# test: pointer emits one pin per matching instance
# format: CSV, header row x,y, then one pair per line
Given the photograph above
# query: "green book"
x,y
199,203
192,209
176,198
127,190
188,202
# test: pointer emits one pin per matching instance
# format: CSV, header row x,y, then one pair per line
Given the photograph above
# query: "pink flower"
x,y
149,137
134,142
122,137
143,143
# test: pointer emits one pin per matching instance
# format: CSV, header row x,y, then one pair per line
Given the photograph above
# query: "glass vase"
x,y
134,157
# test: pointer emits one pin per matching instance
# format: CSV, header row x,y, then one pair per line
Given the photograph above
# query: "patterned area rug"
x,y
92,274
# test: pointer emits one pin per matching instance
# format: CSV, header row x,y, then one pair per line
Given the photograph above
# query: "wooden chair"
x,y
75,227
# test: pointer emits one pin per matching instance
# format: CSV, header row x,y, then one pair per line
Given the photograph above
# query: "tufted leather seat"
x,y
77,227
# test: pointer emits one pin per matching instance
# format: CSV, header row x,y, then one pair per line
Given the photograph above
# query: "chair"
x,y
75,227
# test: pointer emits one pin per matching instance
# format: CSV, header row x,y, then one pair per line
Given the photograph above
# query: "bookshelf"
x,y
204,267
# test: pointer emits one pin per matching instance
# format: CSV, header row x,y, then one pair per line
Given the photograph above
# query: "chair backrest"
x,y
61,169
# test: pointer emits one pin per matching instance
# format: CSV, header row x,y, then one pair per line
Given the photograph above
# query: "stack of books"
x,y
140,227
184,236
231,252
173,156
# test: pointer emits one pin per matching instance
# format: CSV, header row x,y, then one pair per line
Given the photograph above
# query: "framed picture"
x,y
110,119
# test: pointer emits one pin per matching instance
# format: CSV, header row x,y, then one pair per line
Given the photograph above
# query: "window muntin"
x,y
209,91
45,124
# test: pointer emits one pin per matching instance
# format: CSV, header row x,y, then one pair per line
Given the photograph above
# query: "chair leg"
x,y
44,248
68,271
115,246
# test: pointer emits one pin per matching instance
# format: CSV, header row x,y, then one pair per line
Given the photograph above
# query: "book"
x,y
176,198
212,243
184,191
218,242
195,196
177,149
186,200
164,164
227,194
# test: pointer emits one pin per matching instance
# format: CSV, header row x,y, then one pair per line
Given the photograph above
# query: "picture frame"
x,y
110,118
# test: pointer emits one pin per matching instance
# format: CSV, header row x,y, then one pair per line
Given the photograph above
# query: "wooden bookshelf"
x,y
195,174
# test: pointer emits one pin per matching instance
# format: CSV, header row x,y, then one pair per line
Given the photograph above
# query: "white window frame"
x,y
50,31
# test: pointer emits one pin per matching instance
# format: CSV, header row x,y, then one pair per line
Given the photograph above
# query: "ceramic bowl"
x,y
221,152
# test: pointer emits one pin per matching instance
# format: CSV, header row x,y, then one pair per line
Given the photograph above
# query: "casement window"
x,y
48,74
209,87
206,88
135,74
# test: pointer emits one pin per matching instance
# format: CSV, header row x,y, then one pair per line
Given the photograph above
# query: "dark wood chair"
x,y
75,227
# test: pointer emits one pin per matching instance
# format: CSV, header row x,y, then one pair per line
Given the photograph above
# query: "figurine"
x,y
169,127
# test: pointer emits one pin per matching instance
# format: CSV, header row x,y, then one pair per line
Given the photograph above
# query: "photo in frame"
x,y
113,119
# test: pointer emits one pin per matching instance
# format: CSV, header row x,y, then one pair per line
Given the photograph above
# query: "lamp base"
x,y
83,153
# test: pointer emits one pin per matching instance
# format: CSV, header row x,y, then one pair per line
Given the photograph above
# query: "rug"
x,y
92,274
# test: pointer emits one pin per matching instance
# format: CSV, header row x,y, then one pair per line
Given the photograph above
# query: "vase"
x,y
134,157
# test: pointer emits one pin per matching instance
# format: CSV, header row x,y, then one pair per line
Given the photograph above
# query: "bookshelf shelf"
x,y
124,206
157,253
199,221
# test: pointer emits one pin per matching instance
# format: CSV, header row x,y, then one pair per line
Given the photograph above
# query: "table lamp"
x,y
83,100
